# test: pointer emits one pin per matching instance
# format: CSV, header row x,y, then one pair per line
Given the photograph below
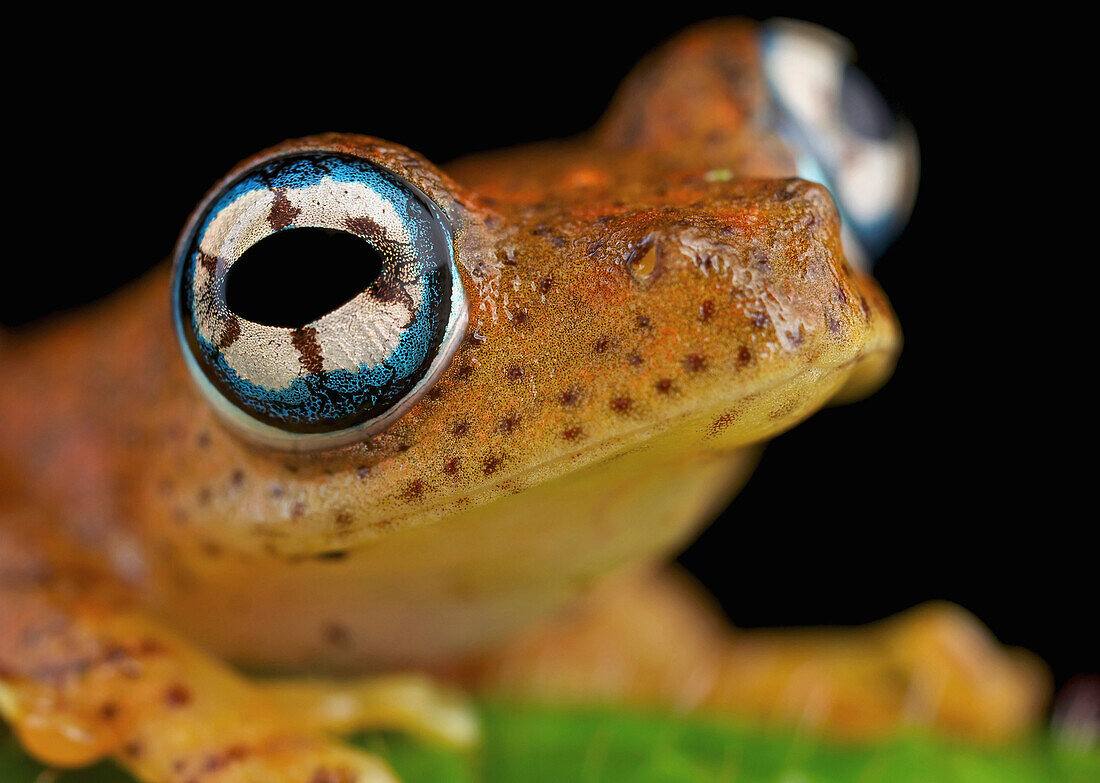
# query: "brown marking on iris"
x,y
336,635
342,519
282,212
236,478
519,317
209,263
298,509
451,468
133,749
634,360
569,397
602,344
759,319
865,306
546,284
642,321
434,393
744,356
508,423
414,490
572,433
332,555
464,372
211,548
305,342
621,404
204,496
362,471
460,429
203,440
177,695
706,310
695,363
514,373
663,385
231,333
796,338
108,710
491,465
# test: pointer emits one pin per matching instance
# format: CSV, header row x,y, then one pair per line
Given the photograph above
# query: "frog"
x,y
383,434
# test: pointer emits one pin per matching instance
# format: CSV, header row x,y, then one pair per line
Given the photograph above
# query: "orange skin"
x,y
662,282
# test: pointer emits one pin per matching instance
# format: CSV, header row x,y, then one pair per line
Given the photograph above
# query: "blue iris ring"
x,y
341,376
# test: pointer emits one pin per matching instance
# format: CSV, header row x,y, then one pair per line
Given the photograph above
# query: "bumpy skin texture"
x,y
647,301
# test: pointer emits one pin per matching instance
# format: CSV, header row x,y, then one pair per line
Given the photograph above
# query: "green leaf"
x,y
532,744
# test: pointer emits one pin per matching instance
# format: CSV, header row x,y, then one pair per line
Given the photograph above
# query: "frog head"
x,y
664,284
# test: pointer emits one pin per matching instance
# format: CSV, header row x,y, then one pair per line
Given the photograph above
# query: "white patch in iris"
x,y
363,331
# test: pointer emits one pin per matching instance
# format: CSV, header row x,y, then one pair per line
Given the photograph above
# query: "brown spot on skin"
x,y
335,554
514,373
282,212
211,548
415,490
362,471
336,635
333,775
204,440
759,320
298,509
720,424
706,310
342,520
546,284
744,356
491,465
451,468
305,342
231,333
572,433
108,711
508,423
621,404
204,496
434,393
569,398
132,749
643,321
519,318
634,360
796,338
460,429
236,478
864,306
177,696
602,344
465,371
695,363
664,385
277,490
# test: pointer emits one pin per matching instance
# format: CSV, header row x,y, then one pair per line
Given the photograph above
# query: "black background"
x,y
952,482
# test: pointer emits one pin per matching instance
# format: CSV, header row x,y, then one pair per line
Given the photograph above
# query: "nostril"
x,y
295,276
643,261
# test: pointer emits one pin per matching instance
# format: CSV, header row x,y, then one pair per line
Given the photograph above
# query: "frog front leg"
x,y
84,675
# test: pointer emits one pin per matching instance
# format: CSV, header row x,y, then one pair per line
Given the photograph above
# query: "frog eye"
x,y
317,299
843,132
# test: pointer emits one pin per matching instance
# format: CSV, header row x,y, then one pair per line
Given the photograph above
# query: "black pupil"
x,y
295,276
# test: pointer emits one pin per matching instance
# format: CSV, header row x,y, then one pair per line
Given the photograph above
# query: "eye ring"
x,y
299,380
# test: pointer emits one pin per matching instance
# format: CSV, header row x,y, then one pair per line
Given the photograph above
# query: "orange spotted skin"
x,y
658,294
